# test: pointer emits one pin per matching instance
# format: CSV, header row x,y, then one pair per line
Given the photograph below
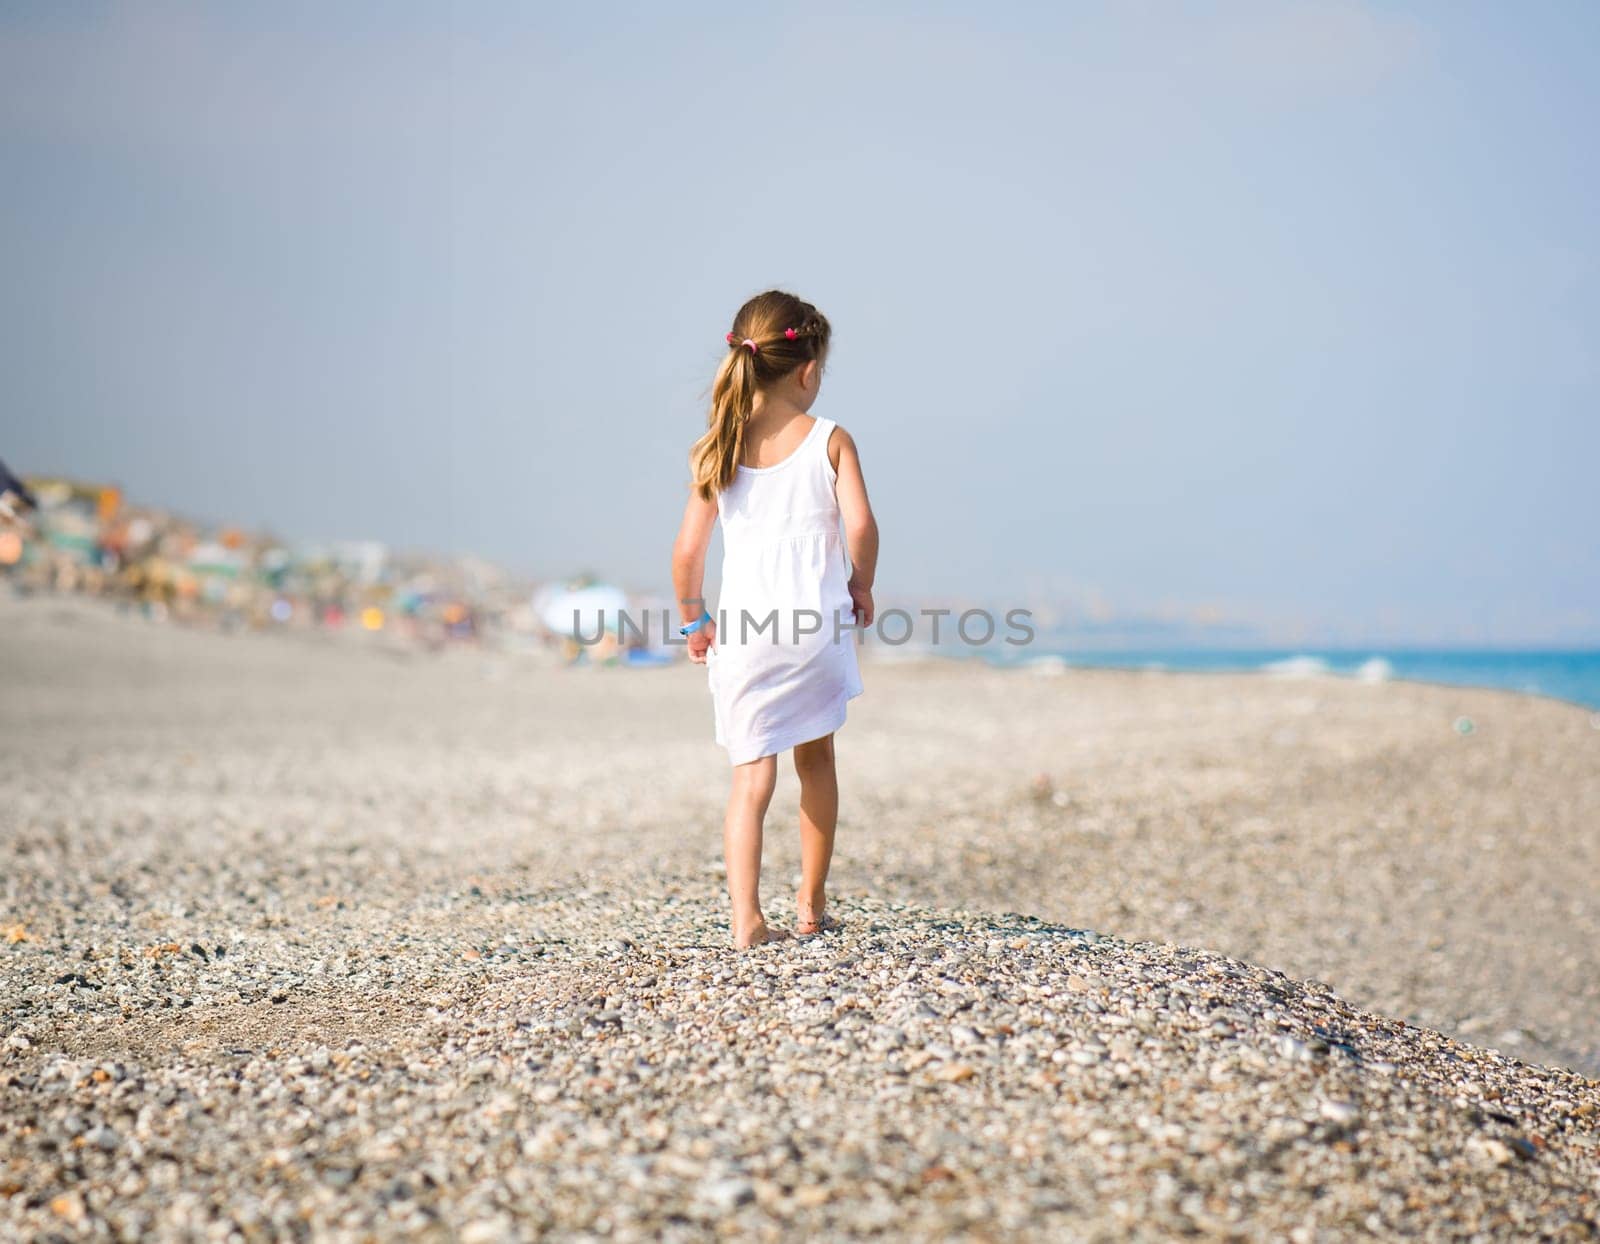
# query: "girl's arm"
x,y
860,527
689,571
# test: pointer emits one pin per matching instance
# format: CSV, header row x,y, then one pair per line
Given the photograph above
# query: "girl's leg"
x,y
741,846
819,815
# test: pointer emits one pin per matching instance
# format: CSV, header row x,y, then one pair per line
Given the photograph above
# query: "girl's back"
x,y
790,500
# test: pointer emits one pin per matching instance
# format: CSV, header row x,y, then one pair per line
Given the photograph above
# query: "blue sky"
x,y
1275,312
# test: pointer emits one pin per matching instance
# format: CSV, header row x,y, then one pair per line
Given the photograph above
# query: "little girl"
x,y
780,654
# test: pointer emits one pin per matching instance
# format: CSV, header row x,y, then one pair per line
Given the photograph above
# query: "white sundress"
x,y
778,682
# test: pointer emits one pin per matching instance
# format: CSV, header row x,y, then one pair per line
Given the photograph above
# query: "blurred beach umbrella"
x,y
210,557
580,611
14,495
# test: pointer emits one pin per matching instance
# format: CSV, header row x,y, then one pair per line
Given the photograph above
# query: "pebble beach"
x,y
303,939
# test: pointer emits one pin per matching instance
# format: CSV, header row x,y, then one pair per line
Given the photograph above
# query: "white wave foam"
x,y
1296,667
1375,669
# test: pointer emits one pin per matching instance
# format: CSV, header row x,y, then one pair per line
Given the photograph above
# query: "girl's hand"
x,y
700,641
861,598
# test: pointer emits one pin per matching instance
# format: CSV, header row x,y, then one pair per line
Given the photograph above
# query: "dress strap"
x,y
821,433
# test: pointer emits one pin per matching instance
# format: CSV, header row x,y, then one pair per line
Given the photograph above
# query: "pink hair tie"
x,y
730,339
751,344
790,333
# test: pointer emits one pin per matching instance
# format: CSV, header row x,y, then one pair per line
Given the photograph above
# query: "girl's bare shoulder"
x,y
840,443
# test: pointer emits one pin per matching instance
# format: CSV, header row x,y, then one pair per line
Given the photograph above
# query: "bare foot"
x,y
812,919
758,934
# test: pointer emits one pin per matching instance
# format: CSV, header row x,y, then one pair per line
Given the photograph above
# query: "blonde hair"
x,y
773,334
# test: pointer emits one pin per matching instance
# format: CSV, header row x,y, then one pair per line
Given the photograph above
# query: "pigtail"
x,y
716,455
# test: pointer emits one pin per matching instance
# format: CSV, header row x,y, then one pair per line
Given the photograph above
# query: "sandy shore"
x,y
289,920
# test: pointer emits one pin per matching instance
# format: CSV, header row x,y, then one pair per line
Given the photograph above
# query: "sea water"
x,y
1564,675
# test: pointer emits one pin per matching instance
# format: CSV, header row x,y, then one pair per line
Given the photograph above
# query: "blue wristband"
x,y
695,625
